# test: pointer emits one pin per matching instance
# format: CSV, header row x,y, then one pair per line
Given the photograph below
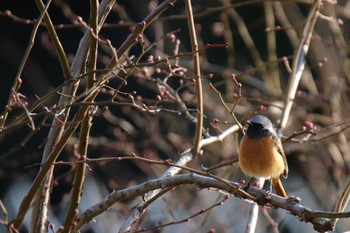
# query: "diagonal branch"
x,y
299,63
50,155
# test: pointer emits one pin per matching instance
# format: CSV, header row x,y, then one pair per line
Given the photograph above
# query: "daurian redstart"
x,y
261,153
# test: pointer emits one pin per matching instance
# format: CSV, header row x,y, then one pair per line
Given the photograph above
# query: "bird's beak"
x,y
248,123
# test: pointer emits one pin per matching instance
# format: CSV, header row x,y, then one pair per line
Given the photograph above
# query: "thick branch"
x,y
322,221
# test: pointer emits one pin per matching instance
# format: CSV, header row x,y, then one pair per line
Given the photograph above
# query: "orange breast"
x,y
260,158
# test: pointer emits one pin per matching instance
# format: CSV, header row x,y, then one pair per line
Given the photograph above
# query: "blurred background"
x,y
262,37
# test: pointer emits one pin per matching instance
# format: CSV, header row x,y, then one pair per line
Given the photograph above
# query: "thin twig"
x,y
220,165
79,178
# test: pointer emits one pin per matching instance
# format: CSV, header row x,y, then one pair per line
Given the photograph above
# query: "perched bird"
x,y
261,153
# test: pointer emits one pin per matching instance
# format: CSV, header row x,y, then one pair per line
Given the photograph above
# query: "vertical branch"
x,y
299,63
272,67
254,210
197,74
40,208
86,125
342,202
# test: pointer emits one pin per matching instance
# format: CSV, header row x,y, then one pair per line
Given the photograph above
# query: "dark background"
x,y
319,170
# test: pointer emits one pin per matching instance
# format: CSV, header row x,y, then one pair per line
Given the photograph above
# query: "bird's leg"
x,y
250,181
268,186
246,188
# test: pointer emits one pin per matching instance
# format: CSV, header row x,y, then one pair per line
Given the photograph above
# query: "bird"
x,y
261,153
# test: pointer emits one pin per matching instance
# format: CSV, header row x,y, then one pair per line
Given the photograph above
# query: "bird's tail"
x,y
277,184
